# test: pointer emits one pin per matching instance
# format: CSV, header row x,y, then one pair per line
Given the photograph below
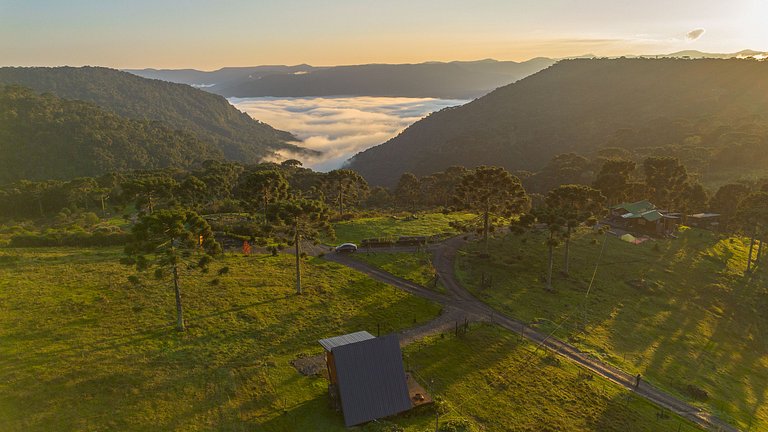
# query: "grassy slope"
x,y
489,377
416,267
80,349
387,226
696,320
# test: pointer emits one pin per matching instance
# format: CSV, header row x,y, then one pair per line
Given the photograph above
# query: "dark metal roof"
x,y
371,379
336,341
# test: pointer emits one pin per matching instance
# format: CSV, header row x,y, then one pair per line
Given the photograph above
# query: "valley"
x,y
384,216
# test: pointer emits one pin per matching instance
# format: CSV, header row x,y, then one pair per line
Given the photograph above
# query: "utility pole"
x,y
297,239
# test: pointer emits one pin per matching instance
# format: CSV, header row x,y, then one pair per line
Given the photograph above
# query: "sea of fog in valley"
x,y
342,126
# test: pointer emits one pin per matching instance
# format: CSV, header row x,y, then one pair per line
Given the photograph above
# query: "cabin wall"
x,y
331,365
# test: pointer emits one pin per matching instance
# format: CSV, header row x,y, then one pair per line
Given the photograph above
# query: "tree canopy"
x,y
491,191
171,241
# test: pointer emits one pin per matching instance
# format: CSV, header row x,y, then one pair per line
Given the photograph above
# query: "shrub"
x,y
697,393
90,219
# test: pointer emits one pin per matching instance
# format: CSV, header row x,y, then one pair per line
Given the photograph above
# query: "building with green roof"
x,y
643,217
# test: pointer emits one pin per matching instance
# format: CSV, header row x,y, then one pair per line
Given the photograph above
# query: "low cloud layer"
x,y
340,126
694,34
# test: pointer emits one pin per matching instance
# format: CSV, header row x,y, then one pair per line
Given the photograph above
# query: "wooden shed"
x,y
367,377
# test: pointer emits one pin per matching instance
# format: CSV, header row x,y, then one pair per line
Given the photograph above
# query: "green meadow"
x,y
392,226
681,312
416,267
83,349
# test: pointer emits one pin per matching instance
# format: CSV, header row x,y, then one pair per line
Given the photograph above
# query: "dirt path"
x,y
460,304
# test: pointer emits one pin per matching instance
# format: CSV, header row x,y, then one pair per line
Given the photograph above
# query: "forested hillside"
x,y
209,117
714,111
45,137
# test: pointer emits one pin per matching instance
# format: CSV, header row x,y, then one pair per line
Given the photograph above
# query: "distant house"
x,y
635,208
643,217
709,221
367,377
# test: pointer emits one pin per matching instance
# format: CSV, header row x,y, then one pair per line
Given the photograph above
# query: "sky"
x,y
212,34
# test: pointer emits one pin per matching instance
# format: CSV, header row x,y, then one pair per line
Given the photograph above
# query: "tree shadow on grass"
x,y
702,345
625,411
678,311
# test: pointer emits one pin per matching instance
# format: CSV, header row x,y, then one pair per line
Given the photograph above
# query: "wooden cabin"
x,y
367,379
643,217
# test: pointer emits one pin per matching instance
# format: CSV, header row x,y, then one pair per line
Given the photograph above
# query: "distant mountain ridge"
x,y
717,108
210,118
453,80
694,54
447,80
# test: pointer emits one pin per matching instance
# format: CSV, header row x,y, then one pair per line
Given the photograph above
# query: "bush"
x,y
90,219
697,393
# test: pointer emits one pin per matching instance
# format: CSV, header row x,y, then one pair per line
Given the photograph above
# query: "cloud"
x,y
694,34
340,126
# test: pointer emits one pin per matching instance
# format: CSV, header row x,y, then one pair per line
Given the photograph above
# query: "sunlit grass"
x,y
680,311
82,349
416,267
490,377
424,224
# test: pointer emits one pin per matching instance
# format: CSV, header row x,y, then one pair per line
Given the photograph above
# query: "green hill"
x,y
209,117
45,137
716,108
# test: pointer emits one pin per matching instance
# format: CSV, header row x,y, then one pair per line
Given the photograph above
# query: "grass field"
x,y
416,267
424,224
681,311
489,377
81,349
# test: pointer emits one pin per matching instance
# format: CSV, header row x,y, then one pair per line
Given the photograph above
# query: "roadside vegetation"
x,y
416,267
488,380
396,225
681,312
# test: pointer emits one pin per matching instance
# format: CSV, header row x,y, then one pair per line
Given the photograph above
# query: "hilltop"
x,y
210,118
718,109
45,137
